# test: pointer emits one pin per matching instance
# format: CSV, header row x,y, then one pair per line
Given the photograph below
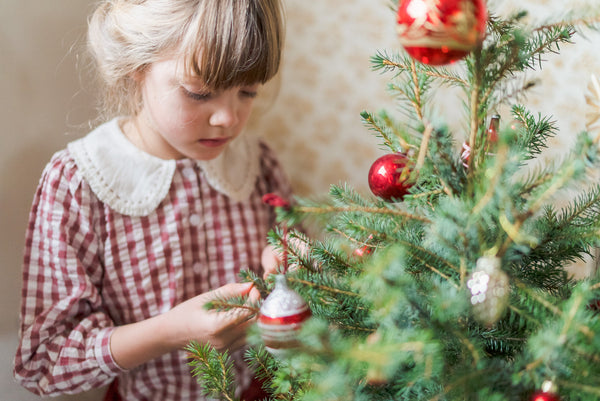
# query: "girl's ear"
x,y
139,75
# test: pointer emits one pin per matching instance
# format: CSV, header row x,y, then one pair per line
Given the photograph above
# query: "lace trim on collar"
x,y
134,183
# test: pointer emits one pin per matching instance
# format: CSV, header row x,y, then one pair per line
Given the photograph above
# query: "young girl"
x,y
137,225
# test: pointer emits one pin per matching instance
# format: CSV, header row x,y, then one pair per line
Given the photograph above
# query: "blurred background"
x,y
309,115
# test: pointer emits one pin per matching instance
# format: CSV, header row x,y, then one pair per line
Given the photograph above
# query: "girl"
x,y
137,225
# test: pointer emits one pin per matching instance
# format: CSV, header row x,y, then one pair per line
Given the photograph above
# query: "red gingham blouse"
x,y
88,268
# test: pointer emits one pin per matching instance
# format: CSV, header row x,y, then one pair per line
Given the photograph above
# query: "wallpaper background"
x,y
309,115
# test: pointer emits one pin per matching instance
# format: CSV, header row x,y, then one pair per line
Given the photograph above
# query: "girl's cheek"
x,y
186,114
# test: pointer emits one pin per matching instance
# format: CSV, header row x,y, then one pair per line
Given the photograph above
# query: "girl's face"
x,y
182,119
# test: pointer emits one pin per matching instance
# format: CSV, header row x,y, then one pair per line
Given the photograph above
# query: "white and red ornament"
x,y
490,290
281,317
389,177
438,32
465,154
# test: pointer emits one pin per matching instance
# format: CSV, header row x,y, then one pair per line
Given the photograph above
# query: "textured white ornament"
x,y
490,290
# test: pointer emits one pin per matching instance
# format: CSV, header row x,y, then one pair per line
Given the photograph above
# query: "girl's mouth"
x,y
214,142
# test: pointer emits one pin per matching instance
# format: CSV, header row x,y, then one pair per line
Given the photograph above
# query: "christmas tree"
x,y
449,281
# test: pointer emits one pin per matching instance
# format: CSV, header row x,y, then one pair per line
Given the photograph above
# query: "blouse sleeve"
x,y
64,333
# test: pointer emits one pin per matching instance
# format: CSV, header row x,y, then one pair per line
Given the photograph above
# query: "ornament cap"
x,y
548,386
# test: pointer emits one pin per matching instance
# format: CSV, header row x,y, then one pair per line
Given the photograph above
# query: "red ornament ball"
x,y
281,317
440,32
544,396
388,177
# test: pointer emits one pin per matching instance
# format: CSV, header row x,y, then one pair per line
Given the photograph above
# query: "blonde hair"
x,y
224,43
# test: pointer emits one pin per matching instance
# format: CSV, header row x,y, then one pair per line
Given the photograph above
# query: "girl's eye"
x,y
199,96
248,93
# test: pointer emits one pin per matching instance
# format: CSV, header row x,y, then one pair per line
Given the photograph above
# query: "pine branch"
x,y
232,304
315,210
263,364
213,370
247,276
570,170
331,289
335,260
393,139
436,271
587,17
555,310
419,85
533,134
387,63
580,388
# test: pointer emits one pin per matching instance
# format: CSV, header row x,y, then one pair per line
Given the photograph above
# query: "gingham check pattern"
x,y
88,268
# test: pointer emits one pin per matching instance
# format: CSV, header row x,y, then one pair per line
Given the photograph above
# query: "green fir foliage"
x,y
214,370
388,283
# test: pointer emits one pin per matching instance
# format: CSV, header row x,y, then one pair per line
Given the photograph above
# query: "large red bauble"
x,y
440,32
388,177
281,317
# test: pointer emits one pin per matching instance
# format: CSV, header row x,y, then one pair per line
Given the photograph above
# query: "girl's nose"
x,y
224,114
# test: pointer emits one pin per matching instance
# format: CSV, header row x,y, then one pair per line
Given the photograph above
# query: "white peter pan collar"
x,y
134,183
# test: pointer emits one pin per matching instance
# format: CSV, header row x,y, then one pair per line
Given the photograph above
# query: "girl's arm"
x,y
65,331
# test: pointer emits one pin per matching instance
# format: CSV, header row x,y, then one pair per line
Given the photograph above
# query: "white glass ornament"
x,y
490,290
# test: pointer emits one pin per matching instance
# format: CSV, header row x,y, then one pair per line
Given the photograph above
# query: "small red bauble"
x,y
594,305
546,393
388,177
281,317
544,396
440,32
365,249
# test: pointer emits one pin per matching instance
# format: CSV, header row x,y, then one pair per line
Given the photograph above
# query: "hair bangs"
x,y
238,42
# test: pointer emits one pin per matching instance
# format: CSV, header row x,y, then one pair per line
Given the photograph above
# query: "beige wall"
x,y
314,123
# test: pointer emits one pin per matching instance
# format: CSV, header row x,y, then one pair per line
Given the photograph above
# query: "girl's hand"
x,y
222,330
137,343
270,260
